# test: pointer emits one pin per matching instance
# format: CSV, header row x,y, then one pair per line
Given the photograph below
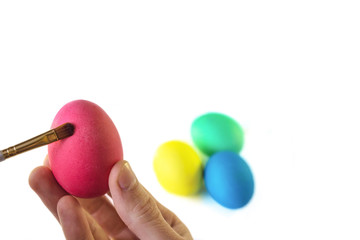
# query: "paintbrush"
x,y
56,134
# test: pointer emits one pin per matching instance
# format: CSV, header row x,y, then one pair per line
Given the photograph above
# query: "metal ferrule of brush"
x,y
38,141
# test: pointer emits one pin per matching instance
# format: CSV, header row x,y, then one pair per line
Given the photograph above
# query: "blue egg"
x,y
229,180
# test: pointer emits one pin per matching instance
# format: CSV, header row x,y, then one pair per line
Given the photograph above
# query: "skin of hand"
x,y
133,212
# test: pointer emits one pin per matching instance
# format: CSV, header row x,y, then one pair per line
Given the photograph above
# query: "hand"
x,y
134,213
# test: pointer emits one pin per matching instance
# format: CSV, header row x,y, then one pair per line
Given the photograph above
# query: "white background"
x,y
288,71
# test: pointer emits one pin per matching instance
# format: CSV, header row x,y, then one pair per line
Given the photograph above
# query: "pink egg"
x,y
81,163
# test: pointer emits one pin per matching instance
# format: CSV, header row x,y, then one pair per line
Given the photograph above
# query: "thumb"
x,y
135,206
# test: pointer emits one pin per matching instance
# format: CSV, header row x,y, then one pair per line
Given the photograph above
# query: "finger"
x,y
96,230
42,181
109,194
174,221
46,161
136,207
171,219
73,220
44,184
103,211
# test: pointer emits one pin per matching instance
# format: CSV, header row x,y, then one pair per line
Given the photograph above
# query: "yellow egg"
x,y
178,168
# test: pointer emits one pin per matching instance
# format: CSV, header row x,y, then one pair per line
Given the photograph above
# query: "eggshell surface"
x,y
214,132
81,163
178,168
229,179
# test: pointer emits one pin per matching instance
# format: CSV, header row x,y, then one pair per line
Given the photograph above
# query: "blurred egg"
x,y
214,132
229,180
81,163
178,168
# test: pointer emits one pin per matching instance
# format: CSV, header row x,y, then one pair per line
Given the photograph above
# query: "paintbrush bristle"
x,y
65,130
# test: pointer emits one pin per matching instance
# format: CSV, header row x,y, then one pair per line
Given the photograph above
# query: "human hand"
x,y
133,214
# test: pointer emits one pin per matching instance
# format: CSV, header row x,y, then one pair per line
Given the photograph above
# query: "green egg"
x,y
214,132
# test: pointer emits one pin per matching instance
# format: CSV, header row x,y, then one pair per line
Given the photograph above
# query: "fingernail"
x,y
127,178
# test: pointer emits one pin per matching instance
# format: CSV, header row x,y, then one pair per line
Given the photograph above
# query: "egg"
x,y
81,163
178,168
229,180
214,132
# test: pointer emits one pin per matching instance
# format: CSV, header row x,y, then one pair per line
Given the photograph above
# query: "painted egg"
x,y
214,132
81,163
228,179
178,168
